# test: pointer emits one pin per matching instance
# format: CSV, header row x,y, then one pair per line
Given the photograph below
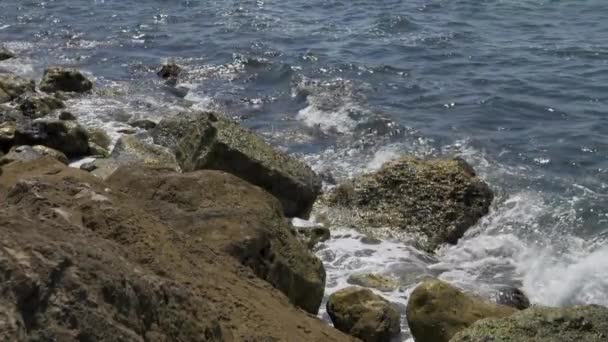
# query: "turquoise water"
x,y
517,87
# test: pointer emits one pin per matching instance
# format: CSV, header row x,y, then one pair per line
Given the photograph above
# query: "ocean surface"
x,y
519,88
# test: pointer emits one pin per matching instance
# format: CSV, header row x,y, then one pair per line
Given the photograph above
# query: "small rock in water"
x,y
375,281
5,53
436,311
514,297
127,131
370,240
143,124
67,116
64,79
361,313
99,137
169,70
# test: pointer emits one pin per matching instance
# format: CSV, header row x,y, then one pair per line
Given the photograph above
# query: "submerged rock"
x,y
13,86
207,140
435,201
541,324
68,116
85,260
235,217
361,313
436,311
375,281
64,79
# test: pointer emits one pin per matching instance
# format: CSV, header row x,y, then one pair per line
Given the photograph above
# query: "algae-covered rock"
x,y
64,79
436,311
234,216
99,137
435,201
361,313
375,281
65,136
36,106
206,140
12,86
311,236
542,324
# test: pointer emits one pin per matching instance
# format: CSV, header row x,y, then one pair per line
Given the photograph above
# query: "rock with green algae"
x,y
374,281
361,313
37,106
430,201
65,136
207,140
542,324
12,86
436,311
64,79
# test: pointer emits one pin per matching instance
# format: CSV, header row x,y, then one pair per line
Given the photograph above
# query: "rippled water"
x,y
517,87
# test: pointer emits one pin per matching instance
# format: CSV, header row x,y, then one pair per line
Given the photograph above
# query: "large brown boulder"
x,y
361,313
235,217
206,140
83,260
436,311
430,201
64,79
541,324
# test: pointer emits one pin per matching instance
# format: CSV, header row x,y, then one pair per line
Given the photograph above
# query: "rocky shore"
x,y
186,235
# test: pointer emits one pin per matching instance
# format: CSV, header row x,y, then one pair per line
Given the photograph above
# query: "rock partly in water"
x,y
81,260
541,324
37,106
5,53
169,70
64,79
436,311
361,313
236,217
67,116
65,136
99,137
13,86
311,236
98,151
513,297
435,201
206,140
374,281
143,124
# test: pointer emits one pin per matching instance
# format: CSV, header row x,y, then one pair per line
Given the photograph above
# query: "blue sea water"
x,y
519,88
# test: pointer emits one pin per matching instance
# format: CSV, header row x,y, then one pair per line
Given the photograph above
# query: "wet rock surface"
x,y
436,311
430,201
361,313
541,324
207,140
5,53
64,79
375,281
191,259
12,86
